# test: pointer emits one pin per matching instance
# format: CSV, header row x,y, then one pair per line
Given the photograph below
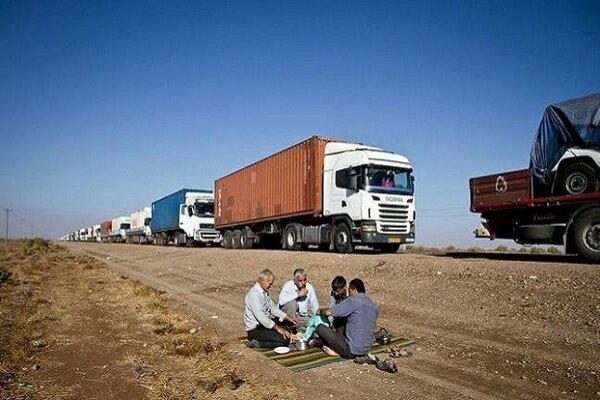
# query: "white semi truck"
x,y
331,193
119,227
139,231
185,217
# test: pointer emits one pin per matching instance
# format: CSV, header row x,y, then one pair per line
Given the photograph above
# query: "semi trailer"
x,y
326,192
185,217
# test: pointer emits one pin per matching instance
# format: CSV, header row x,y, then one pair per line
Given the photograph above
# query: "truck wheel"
x,y
227,239
177,240
235,239
586,234
291,236
246,239
342,238
576,179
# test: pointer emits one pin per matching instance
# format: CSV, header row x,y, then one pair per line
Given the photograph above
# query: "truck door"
x,y
345,197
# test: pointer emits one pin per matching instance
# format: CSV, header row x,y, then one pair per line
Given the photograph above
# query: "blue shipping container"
x,y
165,211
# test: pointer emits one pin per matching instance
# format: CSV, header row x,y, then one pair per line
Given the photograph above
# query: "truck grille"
x,y
393,212
210,235
393,219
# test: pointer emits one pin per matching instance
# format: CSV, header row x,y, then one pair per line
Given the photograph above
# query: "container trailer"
x,y
185,217
325,192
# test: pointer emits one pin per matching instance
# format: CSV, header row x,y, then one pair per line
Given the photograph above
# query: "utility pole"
x,y
7,211
32,231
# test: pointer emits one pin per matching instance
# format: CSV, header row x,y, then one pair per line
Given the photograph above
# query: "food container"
x,y
300,345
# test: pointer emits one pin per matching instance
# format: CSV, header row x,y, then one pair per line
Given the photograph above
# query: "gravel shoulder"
x,y
484,328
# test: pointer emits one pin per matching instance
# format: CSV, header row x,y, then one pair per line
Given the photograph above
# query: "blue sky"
x,y
107,106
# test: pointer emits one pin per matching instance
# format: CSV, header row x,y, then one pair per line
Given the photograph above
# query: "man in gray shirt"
x,y
361,315
260,314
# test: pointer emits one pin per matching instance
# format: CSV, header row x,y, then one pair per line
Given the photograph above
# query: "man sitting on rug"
x,y
260,313
298,298
361,315
338,293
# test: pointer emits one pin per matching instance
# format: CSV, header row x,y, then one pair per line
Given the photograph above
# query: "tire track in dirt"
x,y
206,306
448,311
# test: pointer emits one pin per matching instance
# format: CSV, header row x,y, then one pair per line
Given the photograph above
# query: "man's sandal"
x,y
367,359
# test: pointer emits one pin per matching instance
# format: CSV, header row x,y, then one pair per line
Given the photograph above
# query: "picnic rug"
x,y
315,357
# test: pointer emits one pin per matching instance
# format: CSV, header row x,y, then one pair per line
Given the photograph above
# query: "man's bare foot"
x,y
329,351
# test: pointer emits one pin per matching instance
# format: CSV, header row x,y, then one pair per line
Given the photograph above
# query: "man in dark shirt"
x,y
339,292
361,314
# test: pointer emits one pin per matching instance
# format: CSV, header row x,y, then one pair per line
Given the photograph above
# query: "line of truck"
x,y
328,193
335,195
181,218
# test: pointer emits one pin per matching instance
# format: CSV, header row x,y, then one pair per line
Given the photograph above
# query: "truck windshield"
x,y
204,209
389,180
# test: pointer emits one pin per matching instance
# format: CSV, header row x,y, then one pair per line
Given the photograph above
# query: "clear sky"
x,y
106,106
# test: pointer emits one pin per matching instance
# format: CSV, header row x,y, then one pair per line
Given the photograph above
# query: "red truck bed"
x,y
513,190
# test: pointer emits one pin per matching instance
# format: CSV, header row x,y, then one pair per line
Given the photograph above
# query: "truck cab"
x,y
197,218
372,191
119,227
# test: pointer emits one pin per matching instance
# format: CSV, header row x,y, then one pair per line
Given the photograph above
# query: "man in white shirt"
x,y
260,313
298,298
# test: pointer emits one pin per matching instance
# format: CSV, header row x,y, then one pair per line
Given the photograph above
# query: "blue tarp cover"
x,y
572,123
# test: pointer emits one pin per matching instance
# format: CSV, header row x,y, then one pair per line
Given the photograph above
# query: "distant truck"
x,y
139,231
105,229
97,237
556,200
119,227
325,192
185,217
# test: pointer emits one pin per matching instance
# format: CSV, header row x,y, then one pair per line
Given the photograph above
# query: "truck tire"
x,y
179,239
227,239
586,234
246,238
291,237
342,238
577,178
235,239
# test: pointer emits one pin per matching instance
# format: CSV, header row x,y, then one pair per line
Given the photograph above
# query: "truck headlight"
x,y
368,228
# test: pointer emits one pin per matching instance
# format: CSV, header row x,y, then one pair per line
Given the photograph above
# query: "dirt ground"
x,y
485,329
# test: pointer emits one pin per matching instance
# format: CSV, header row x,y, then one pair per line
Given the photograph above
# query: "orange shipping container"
x,y
286,184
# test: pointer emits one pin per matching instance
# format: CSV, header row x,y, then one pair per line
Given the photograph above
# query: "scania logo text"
x,y
393,198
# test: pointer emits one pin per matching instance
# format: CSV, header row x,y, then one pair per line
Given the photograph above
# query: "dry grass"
x,y
45,284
